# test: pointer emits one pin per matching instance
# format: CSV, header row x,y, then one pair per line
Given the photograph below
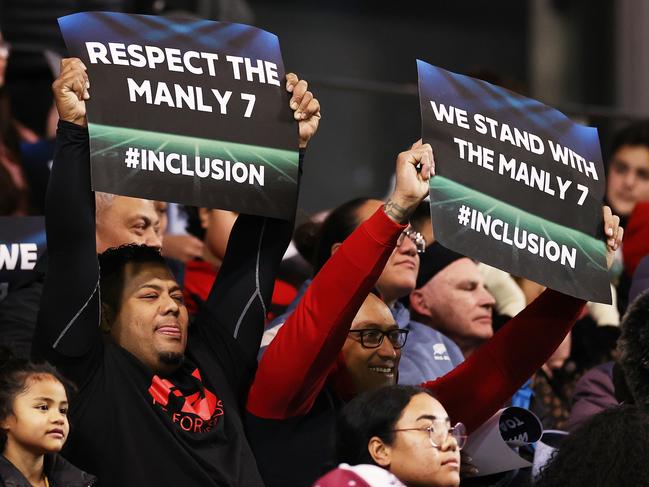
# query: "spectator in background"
x,y
509,299
451,298
430,352
628,169
181,247
213,227
161,208
607,385
18,310
607,450
591,343
174,247
123,220
594,337
627,184
14,191
552,388
594,392
23,154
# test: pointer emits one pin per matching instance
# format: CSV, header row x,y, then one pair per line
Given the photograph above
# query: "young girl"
x,y
34,427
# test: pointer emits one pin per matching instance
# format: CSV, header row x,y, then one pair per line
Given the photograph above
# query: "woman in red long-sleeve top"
x,y
314,364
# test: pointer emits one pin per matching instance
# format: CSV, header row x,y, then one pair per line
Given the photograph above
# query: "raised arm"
x,y
476,389
232,319
296,364
68,320
235,311
479,387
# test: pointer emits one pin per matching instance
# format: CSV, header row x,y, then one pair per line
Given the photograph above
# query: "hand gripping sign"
x,y
518,185
190,111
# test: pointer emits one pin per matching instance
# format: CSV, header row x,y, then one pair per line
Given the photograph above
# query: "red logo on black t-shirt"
x,y
197,412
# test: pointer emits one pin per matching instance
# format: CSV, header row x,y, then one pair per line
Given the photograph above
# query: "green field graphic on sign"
x,y
450,192
106,138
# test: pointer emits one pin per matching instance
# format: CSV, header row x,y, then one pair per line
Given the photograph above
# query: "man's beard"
x,y
173,359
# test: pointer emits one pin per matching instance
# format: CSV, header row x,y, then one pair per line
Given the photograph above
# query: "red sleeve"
x,y
474,391
296,364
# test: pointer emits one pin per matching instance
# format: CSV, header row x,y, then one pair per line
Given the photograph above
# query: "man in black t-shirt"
x,y
159,401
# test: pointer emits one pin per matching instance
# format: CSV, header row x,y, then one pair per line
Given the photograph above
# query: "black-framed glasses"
x,y
416,237
373,337
439,431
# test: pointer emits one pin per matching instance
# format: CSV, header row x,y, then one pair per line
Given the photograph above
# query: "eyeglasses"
x,y
439,431
373,338
416,237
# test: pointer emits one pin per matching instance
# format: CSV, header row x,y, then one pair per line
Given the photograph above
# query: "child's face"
x,y
39,422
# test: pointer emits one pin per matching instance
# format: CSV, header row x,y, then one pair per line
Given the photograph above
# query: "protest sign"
x,y
518,185
189,111
22,243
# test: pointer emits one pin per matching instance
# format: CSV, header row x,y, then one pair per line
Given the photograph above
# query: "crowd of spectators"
x,y
160,344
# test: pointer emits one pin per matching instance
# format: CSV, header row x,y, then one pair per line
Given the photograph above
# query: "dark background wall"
x,y
359,57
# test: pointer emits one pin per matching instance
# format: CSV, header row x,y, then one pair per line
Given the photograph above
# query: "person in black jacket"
x,y
34,426
159,402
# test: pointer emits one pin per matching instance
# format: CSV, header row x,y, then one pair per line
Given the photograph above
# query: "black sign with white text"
x,y
189,111
518,185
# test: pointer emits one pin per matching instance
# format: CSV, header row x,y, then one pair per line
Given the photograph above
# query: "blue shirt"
x,y
427,354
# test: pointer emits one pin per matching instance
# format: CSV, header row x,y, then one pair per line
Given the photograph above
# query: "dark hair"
x,y
112,263
635,134
14,373
420,216
193,225
634,349
372,413
608,449
305,238
338,225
